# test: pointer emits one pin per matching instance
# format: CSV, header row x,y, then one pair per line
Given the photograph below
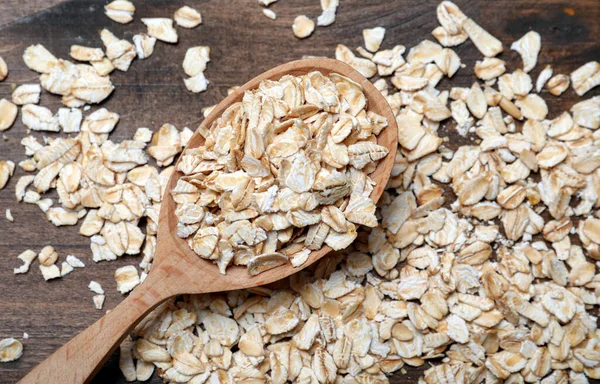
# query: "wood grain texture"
x,y
177,269
11,10
244,43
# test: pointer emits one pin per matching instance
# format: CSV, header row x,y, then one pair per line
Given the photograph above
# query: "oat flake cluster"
x,y
497,277
281,173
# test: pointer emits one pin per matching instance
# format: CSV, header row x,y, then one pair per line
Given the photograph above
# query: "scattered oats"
x,y
165,145
449,40
195,60
586,77
98,301
9,216
487,44
127,278
22,183
476,101
96,288
75,262
39,118
69,119
270,14
82,53
303,27
27,94
120,52
161,28
366,67
8,114
373,38
27,258
65,269
120,11
144,45
37,58
448,62
60,216
532,107
10,350
48,256
100,121
50,272
7,168
543,77
489,68
143,135
528,47
587,113
187,17
278,177
44,204
91,87
327,17
3,69
104,67
558,84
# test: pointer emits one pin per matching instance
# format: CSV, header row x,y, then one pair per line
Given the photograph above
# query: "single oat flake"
x,y
373,38
8,114
10,350
303,27
120,11
3,69
187,17
161,28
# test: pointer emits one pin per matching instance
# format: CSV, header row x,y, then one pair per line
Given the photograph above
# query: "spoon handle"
x,y
77,361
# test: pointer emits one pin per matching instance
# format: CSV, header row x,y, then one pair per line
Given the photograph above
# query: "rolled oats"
x,y
26,94
39,59
528,47
543,77
270,14
120,11
187,17
586,77
127,278
82,53
120,52
302,186
558,84
329,8
303,27
8,114
373,38
195,60
494,271
144,45
161,28
3,69
7,168
10,350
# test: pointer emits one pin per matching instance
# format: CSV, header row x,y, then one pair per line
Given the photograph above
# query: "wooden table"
x,y
243,44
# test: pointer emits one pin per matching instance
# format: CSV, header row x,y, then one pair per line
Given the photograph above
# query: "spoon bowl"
x,y
177,269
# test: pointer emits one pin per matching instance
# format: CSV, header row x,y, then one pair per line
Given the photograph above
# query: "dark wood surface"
x,y
243,44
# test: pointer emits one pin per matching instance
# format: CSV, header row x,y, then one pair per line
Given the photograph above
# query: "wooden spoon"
x,y
177,269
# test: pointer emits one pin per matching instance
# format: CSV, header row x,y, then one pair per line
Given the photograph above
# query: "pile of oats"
x,y
281,173
498,281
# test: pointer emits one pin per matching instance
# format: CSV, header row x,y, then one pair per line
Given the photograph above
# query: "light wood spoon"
x,y
177,269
